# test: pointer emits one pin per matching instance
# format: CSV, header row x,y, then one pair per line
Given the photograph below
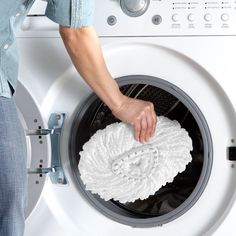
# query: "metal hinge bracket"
x,y
55,171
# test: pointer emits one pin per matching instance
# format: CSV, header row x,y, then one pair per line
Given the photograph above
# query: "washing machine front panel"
x,y
185,74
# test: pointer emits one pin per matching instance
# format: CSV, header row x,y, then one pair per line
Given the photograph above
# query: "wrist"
x,y
118,102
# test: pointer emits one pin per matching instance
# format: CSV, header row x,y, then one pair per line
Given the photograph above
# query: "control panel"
x,y
165,17
150,18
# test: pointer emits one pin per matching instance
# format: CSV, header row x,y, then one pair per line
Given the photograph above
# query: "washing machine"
x,y
178,54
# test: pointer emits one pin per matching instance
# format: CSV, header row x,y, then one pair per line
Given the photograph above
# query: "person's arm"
x,y
84,48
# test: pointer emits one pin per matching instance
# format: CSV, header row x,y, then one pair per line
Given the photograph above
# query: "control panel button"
x,y
191,17
156,20
208,17
225,17
111,20
175,17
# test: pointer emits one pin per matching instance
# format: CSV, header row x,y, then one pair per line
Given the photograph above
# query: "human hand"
x,y
140,114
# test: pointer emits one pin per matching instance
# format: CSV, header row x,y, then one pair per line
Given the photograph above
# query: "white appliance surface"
x,y
193,47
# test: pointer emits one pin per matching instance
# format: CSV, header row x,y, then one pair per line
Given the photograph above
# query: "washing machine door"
x,y
42,139
198,198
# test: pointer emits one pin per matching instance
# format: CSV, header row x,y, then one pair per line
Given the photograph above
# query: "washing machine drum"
x,y
173,199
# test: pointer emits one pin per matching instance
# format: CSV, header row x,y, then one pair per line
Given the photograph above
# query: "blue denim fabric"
x,y
13,170
71,13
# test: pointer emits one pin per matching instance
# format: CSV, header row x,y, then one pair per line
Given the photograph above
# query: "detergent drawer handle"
x,y
55,171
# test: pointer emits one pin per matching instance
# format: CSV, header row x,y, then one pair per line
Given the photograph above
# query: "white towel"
x,y
114,165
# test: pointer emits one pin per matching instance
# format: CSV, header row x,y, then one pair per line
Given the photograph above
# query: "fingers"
x,y
144,126
154,117
137,129
151,121
150,125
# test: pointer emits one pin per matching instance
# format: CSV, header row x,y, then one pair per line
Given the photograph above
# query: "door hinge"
x,y
55,171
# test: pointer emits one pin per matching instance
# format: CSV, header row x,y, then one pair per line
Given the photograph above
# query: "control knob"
x,y
134,7
224,17
208,17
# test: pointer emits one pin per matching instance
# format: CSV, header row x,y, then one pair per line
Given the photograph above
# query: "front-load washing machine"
x,y
178,54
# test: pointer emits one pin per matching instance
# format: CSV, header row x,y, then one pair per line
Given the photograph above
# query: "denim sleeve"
x,y
72,13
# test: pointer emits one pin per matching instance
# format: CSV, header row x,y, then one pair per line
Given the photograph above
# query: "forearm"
x,y
85,51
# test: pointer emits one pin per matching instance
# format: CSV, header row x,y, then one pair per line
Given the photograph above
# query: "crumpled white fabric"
x,y
114,165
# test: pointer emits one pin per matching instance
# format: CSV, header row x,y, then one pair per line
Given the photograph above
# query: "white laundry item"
x,y
114,165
